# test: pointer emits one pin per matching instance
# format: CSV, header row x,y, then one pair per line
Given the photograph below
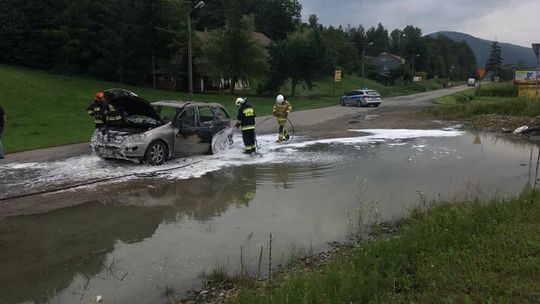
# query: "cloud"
x,y
509,20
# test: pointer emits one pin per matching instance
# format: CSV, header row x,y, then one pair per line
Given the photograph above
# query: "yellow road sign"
x,y
481,72
337,75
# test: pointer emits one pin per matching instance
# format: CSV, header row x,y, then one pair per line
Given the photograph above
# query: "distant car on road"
x,y
155,132
361,98
471,82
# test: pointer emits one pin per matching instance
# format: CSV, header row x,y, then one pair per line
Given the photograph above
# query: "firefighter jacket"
x,y
281,110
103,112
111,114
96,109
246,117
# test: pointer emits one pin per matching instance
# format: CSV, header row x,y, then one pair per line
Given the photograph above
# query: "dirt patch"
x,y
501,123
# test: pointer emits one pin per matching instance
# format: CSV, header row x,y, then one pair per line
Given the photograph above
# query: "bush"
x,y
499,90
463,98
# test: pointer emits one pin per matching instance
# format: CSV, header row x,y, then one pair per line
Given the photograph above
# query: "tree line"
x,y
128,40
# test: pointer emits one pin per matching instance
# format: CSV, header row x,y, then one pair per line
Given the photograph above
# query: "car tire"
x,y
156,153
342,102
359,103
376,105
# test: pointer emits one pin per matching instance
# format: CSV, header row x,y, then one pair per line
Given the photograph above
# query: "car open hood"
x,y
130,103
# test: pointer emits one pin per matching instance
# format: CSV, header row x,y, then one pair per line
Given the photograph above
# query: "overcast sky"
x,y
511,21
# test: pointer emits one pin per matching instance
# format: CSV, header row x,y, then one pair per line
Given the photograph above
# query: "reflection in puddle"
x,y
153,233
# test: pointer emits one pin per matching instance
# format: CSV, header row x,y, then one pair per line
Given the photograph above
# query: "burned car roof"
x,y
181,104
130,103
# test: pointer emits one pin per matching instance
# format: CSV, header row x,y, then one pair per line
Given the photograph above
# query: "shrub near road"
x,y
494,107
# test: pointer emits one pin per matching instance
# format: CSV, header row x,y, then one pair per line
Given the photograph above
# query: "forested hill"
x,y
511,53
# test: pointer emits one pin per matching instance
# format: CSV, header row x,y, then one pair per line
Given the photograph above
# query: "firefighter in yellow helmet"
x,y
281,110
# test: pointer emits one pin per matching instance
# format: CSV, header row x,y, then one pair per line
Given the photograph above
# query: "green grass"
x,y
46,110
493,98
473,252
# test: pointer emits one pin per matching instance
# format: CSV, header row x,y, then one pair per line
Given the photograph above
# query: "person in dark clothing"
x,y
246,123
3,121
96,109
104,113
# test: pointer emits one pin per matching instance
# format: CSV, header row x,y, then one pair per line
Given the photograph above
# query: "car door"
x,y
348,97
185,130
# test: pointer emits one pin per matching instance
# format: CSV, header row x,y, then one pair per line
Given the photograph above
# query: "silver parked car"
x,y
361,98
161,130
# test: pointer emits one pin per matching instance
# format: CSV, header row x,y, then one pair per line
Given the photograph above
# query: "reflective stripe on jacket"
x,y
246,116
282,109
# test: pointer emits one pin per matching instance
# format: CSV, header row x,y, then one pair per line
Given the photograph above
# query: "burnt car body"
x,y
155,132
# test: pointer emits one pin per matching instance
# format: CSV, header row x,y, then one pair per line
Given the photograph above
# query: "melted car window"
x,y
167,113
220,113
187,118
206,115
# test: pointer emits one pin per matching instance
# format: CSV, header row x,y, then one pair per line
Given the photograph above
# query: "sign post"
x,y
481,72
536,49
337,80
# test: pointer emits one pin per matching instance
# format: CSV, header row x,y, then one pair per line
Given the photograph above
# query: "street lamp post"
x,y
536,49
199,4
414,56
363,62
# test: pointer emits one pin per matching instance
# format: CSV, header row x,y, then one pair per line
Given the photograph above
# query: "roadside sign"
x,y
481,72
527,90
337,75
525,77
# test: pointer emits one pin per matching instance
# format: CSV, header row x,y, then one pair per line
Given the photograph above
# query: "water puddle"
x,y
153,234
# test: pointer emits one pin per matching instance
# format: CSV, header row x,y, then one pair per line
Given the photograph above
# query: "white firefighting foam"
x,y
25,177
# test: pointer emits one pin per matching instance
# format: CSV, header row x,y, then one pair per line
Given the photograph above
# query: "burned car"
x,y
155,132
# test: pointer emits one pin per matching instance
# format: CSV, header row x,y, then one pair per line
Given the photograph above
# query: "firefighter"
x,y
104,113
281,110
96,110
246,123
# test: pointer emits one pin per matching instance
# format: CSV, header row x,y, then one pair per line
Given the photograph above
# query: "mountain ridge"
x,y
481,48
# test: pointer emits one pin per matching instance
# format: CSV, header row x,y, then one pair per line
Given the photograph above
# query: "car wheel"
x,y
156,154
342,102
359,103
376,104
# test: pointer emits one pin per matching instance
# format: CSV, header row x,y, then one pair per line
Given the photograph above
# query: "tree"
x,y
342,53
275,18
302,58
379,37
494,62
233,53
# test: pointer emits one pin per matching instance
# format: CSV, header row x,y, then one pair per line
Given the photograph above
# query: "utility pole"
x,y
190,56
414,56
363,62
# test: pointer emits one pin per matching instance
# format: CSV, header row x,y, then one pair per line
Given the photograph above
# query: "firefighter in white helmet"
x,y
246,123
281,110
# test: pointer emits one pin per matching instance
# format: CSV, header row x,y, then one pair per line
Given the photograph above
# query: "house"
x,y
386,62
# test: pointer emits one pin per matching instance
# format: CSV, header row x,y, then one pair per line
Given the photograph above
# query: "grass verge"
x,y
473,252
493,98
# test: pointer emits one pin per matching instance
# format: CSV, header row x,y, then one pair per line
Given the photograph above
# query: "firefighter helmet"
x,y
239,101
280,99
99,95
